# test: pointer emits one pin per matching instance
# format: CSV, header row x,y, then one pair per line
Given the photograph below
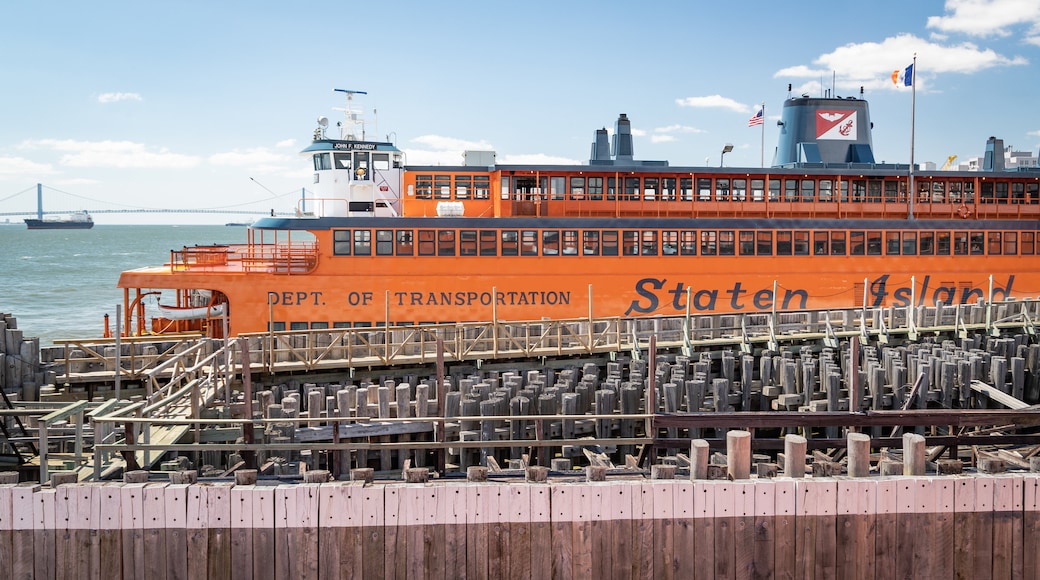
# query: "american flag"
x,y
756,119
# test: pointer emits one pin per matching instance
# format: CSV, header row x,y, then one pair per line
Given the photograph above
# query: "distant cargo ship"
x,y
74,221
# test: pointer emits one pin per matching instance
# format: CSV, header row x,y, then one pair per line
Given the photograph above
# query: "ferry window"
x,y
993,244
631,188
424,187
468,243
1033,193
550,243
844,191
857,244
821,243
442,186
611,188
577,188
362,325
747,243
874,191
801,243
297,326
986,192
610,242
727,243
319,325
445,242
463,186
758,187
596,188
322,161
557,186
341,160
977,240
362,242
954,195
774,189
668,189
873,243
384,242
764,243
927,243
960,243
275,326
826,192
529,243
909,243
688,242
942,244
427,243
569,242
381,161
510,246
969,192
790,190
1002,191
649,245
488,243
924,189
630,243
721,190
405,244
590,242
505,187
704,189
783,244
1018,192
1027,243
340,324
892,243
686,188
341,242
808,190
739,190
650,189
481,187
837,243
708,243
859,190
669,243
1010,243
892,191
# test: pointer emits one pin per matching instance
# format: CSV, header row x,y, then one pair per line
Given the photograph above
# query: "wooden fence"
x,y
921,527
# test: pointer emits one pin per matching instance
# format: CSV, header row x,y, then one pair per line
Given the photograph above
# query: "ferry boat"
x,y
74,221
382,243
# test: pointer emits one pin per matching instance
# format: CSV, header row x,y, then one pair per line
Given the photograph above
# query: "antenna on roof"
x,y
347,130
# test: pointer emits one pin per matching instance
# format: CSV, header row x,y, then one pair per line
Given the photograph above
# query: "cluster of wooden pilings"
x,y
603,402
20,372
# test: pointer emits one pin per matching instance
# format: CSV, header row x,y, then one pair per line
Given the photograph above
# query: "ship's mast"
x,y
349,130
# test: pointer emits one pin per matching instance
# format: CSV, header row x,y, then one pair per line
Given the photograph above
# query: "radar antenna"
x,y
348,130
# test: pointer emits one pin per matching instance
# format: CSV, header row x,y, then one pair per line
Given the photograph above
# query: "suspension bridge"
x,y
30,203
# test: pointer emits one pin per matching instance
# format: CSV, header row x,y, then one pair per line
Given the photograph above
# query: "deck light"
x,y
725,149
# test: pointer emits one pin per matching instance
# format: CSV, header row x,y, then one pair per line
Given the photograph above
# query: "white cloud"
x,y
118,154
536,159
441,143
286,143
986,17
678,129
714,102
638,132
870,64
106,98
798,71
1034,40
76,181
662,138
256,157
1033,133
23,166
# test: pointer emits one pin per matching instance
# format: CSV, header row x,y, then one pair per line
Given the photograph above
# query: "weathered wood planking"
x,y
856,520
263,517
110,544
296,531
242,531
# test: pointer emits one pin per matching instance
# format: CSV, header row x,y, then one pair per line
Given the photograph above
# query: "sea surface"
x,y
61,283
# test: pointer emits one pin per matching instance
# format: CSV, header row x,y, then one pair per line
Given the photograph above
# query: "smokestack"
x,y
623,139
600,146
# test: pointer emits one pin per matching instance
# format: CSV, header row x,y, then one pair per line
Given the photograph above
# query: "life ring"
x,y
964,211
360,172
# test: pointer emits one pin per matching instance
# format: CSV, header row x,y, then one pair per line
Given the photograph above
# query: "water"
x,y
61,283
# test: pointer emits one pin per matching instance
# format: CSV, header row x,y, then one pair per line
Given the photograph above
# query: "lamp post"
x,y
725,149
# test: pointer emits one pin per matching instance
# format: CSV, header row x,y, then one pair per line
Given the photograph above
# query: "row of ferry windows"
x,y
681,243
280,326
634,188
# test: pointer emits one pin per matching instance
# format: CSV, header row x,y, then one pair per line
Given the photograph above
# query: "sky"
x,y
206,105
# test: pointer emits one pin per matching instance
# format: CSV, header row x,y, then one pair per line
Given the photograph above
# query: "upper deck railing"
x,y
280,258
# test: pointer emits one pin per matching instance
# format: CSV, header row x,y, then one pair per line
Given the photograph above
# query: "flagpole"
x,y
762,148
913,107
